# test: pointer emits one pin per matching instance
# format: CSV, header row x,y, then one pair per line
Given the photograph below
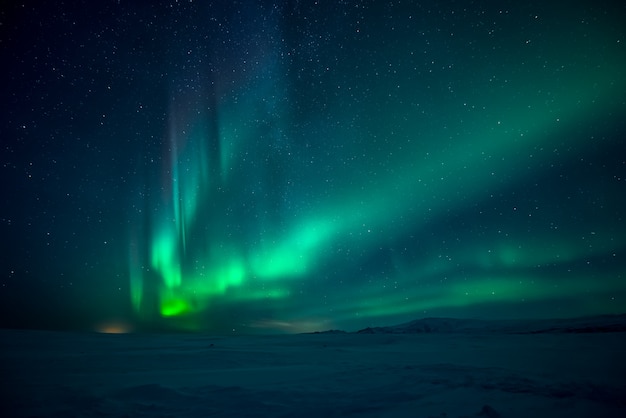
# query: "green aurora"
x,y
382,168
297,166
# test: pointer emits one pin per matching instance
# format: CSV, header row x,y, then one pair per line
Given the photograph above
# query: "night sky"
x,y
257,166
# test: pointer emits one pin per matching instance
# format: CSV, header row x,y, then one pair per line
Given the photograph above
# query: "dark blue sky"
x,y
302,165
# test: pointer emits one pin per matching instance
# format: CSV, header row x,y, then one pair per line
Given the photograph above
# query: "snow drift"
x,y
426,368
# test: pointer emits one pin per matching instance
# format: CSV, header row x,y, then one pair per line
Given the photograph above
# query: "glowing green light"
x,y
277,263
224,277
165,259
294,255
136,277
172,305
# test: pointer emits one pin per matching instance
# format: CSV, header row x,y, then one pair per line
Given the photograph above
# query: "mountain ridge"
x,y
443,325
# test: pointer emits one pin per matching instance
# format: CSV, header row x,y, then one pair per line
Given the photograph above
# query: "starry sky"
x,y
289,166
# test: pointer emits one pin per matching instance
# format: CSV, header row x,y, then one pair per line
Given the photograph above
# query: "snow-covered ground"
x,y
462,369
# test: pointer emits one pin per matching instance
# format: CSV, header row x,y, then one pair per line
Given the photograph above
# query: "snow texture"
x,y
426,368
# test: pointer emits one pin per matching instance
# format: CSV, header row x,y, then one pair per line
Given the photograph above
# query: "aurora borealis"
x,y
305,165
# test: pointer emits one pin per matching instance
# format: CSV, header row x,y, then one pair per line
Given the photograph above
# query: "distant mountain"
x,y
602,323
430,325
